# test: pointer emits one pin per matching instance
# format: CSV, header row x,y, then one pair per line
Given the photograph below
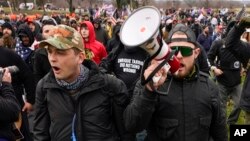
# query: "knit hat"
x,y
186,30
64,37
9,26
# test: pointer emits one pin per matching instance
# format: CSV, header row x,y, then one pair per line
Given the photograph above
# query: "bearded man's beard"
x,y
8,42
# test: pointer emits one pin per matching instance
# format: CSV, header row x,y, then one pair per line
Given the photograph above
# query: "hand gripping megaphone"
x,y
142,28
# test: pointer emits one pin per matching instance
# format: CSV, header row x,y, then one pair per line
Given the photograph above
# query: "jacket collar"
x,y
95,81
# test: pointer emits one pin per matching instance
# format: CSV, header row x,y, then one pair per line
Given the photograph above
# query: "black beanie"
x,y
9,26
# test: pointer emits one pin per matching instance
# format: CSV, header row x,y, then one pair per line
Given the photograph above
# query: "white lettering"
x,y
240,132
129,70
124,60
122,64
237,132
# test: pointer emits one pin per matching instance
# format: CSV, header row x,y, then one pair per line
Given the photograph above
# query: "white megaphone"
x,y
141,29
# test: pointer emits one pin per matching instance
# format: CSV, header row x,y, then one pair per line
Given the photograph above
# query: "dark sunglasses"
x,y
185,50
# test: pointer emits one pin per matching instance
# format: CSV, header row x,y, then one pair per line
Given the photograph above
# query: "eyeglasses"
x,y
185,50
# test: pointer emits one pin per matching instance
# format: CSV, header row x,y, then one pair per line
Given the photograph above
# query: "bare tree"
x,y
205,3
145,2
25,3
190,3
70,2
13,3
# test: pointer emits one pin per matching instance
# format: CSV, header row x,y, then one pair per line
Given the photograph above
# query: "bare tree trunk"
x,y
70,2
190,3
207,4
25,3
13,4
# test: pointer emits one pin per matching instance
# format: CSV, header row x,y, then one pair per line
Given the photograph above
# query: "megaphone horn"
x,y
141,29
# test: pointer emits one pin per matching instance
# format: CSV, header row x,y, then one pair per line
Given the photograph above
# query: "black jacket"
x,y
190,112
202,60
225,61
115,40
21,80
9,109
241,50
99,108
101,35
41,64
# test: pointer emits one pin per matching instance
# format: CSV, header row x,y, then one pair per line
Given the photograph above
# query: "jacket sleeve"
x,y
140,110
200,38
107,63
202,60
218,127
38,69
41,118
103,52
213,52
240,49
119,103
27,78
9,107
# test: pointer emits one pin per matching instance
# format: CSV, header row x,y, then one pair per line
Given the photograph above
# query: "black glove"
x,y
244,23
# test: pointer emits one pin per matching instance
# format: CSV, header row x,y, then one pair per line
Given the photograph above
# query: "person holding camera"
x,y
23,84
9,108
183,106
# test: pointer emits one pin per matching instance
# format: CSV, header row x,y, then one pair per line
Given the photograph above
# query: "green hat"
x,y
64,37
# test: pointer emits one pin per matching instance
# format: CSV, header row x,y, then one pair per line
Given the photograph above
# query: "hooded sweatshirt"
x,y
95,46
26,52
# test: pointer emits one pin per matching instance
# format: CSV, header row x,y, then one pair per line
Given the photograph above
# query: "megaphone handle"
x,y
166,67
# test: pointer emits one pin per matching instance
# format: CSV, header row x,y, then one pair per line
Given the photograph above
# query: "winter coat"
x,y
9,109
190,111
225,61
241,50
21,80
41,64
99,107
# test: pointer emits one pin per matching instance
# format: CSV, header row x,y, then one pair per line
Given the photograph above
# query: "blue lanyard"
x,y
73,137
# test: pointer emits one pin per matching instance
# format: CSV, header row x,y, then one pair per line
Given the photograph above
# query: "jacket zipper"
x,y
183,109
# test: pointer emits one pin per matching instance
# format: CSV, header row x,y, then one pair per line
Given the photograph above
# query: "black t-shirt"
x,y
128,66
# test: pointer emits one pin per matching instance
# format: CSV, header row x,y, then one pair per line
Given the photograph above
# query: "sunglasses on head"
x,y
185,50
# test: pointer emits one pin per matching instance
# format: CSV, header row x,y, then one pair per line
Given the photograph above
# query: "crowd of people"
x,y
78,81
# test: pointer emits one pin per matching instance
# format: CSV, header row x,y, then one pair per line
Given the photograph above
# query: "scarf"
x,y
83,77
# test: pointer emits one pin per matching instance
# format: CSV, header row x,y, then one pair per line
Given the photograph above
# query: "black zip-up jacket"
x,y
241,50
227,62
9,109
190,112
99,109
41,64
